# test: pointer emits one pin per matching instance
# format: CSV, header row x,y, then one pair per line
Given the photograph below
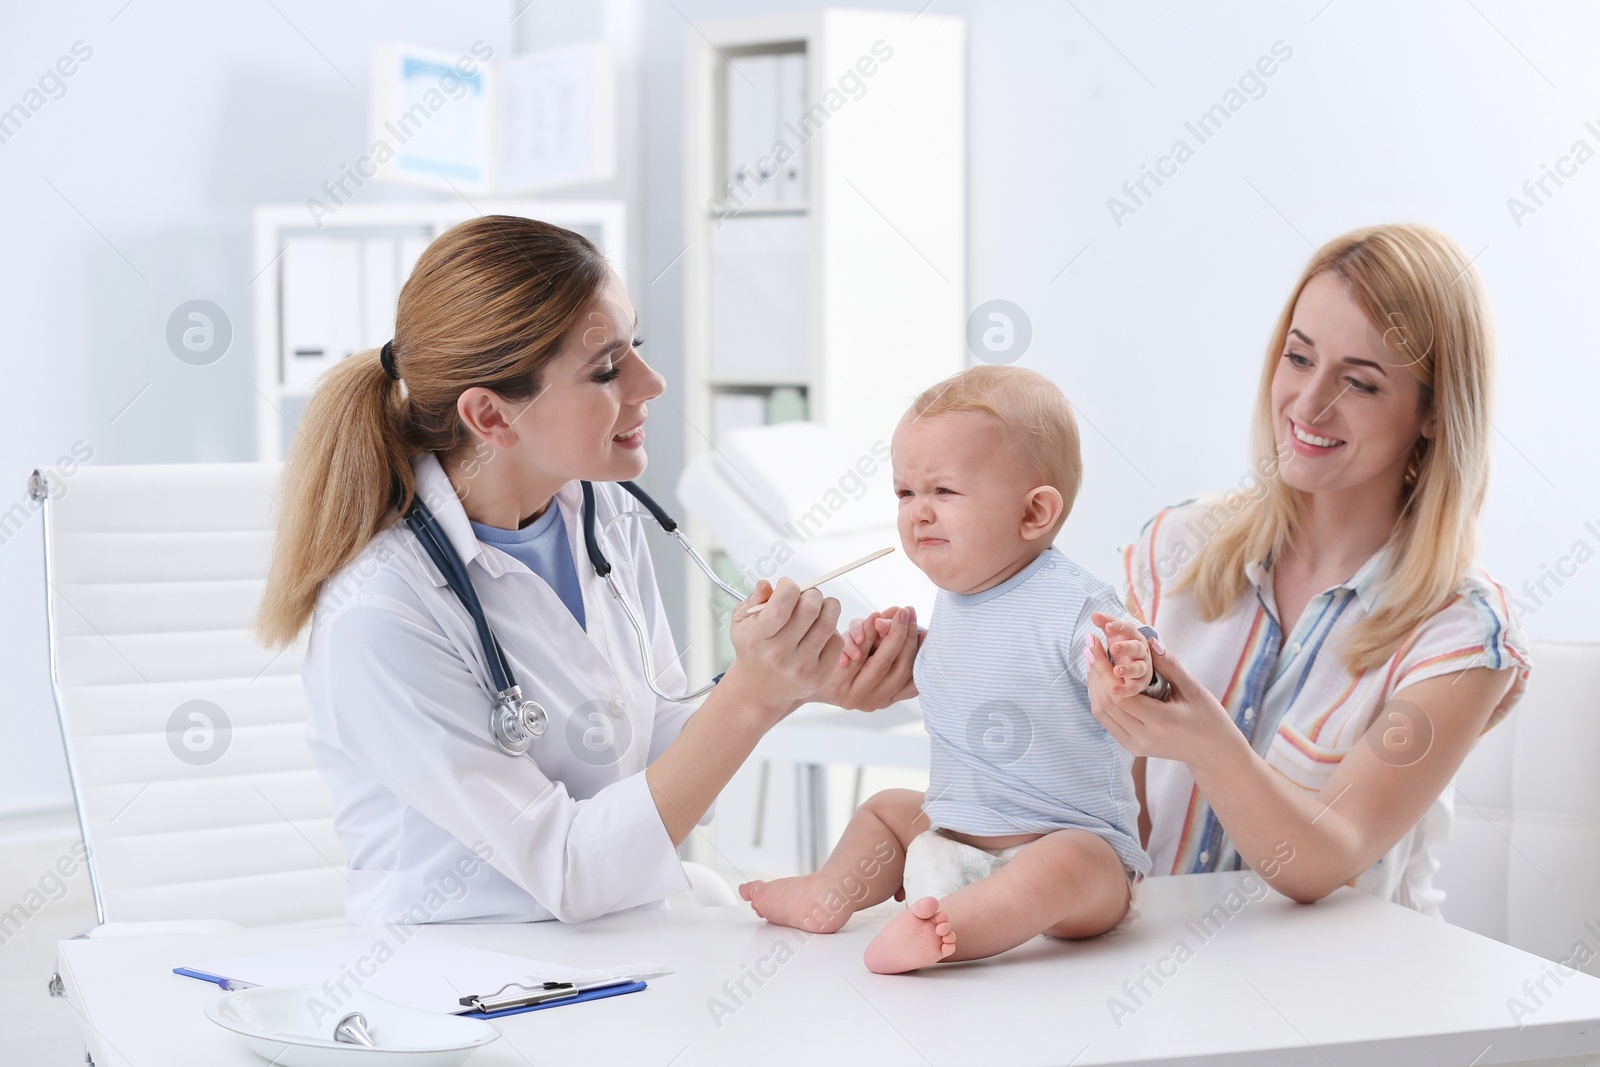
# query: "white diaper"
x,y
937,866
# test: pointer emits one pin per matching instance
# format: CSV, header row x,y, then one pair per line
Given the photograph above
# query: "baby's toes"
x,y
751,891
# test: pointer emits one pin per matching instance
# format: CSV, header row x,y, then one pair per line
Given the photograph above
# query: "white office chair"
x,y
185,739
1523,861
799,486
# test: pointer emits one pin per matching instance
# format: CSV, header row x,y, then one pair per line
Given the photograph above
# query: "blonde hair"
x,y
488,304
1034,412
1416,286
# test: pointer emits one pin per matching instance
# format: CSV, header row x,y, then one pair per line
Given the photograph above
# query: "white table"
x,y
1348,981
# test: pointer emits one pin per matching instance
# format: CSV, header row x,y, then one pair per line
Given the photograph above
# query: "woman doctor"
x,y
513,376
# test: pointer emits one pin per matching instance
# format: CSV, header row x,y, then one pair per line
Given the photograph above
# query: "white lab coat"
x,y
399,700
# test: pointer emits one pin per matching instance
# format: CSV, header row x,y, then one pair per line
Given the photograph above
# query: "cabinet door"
x,y
760,298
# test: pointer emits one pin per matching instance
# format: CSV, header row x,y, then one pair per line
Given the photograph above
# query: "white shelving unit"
x,y
825,217
349,270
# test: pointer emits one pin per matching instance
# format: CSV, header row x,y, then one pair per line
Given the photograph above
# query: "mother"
x,y
1341,654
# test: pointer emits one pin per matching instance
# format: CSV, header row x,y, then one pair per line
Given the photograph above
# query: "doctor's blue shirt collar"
x,y
433,486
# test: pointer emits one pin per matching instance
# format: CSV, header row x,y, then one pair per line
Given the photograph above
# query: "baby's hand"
x,y
1130,655
863,635
868,634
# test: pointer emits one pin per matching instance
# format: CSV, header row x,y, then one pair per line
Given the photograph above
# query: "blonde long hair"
x,y
1416,286
488,304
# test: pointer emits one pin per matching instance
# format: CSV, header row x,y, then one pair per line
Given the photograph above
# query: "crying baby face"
x,y
971,511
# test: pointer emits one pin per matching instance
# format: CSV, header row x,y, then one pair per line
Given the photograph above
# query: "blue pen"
x,y
229,984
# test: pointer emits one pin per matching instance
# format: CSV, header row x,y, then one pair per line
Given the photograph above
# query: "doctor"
x,y
514,374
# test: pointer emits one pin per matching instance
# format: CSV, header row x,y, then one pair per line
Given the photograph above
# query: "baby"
x,y
1030,822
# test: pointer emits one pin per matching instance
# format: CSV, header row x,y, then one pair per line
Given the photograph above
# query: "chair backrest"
x,y
185,739
1523,861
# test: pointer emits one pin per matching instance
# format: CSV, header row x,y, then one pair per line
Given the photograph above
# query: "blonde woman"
x,y
513,381
1332,650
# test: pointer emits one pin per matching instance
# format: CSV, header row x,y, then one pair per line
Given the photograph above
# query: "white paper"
x,y
556,121
430,122
418,972
547,118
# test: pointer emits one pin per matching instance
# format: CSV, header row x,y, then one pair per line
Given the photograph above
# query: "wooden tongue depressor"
x,y
847,568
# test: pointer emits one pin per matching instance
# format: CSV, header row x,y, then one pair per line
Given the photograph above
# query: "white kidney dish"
x,y
278,1023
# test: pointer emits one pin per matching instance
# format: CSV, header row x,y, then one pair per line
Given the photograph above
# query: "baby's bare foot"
x,y
918,938
806,902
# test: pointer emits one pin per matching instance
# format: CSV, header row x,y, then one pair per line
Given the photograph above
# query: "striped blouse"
x,y
1291,695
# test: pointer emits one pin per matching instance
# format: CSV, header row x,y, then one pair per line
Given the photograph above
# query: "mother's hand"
x,y
874,670
1185,727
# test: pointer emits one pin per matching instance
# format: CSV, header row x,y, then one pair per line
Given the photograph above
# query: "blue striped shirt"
x,y
1004,692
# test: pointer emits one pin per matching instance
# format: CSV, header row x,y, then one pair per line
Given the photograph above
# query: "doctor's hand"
x,y
875,669
786,653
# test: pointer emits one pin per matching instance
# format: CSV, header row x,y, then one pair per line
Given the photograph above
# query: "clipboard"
x,y
593,992
431,975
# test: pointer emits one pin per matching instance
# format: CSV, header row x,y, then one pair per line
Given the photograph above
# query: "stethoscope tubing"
x,y
436,544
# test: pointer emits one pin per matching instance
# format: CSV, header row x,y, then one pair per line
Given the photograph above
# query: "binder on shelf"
x,y
766,101
792,104
345,297
380,289
752,87
308,330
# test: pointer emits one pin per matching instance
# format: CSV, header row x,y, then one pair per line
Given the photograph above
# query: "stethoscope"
x,y
515,721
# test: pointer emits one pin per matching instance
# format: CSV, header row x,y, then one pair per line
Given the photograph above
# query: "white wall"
x,y
1430,112
1385,112
188,114
127,196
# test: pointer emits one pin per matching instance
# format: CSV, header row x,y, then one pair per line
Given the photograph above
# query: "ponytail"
x,y
488,304
347,470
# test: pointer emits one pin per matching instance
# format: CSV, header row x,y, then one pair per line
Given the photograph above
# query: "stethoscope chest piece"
x,y
515,722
